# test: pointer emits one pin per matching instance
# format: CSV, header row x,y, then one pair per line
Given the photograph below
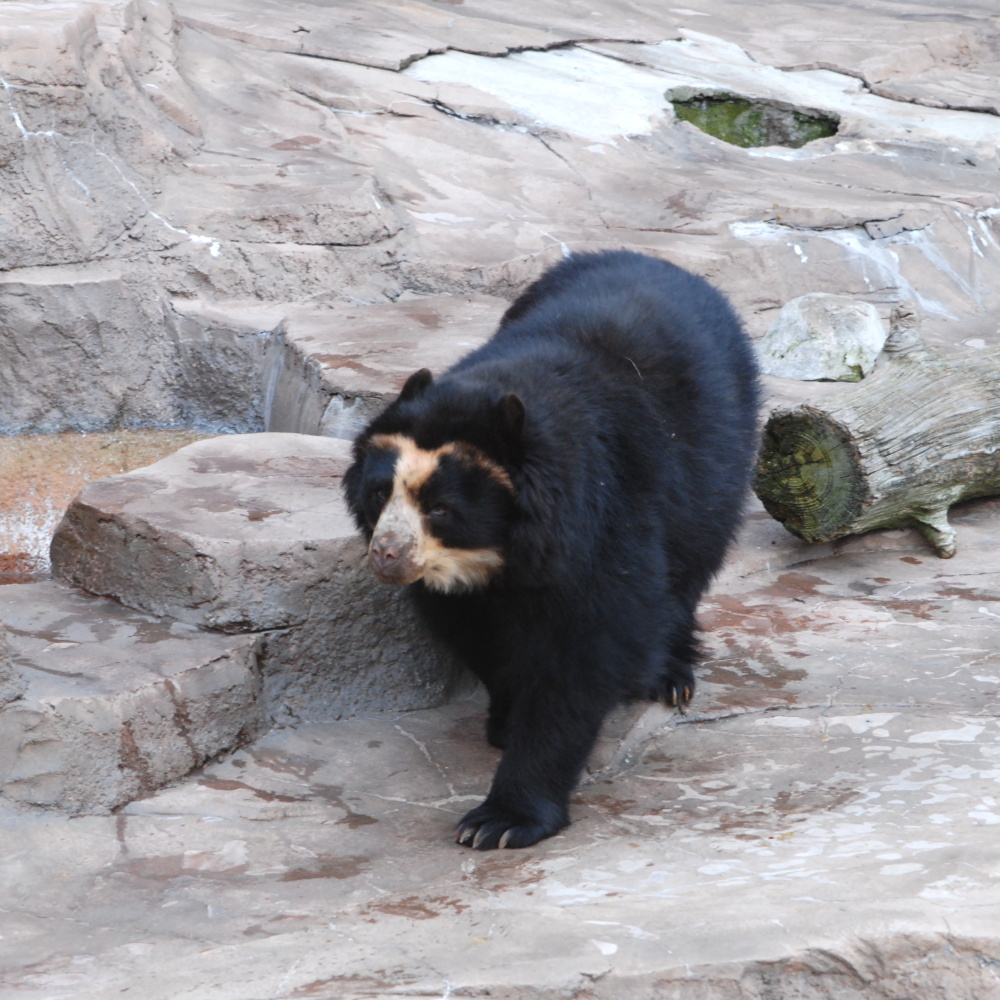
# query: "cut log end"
x,y
809,476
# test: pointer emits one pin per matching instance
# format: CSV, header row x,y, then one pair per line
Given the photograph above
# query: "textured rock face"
x,y
823,337
249,534
116,704
11,682
204,208
68,357
331,371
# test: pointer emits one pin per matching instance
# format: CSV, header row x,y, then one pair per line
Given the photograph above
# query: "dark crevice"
x,y
439,105
517,49
512,50
930,102
854,225
576,172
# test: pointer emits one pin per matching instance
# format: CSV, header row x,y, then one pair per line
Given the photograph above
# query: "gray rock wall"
x,y
68,351
112,208
115,704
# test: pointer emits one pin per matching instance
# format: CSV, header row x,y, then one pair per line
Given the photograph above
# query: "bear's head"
x,y
431,487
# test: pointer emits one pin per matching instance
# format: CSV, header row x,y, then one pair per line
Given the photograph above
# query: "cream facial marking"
x,y
415,465
403,549
451,570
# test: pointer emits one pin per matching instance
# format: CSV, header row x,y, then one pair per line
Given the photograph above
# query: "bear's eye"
x,y
380,494
440,511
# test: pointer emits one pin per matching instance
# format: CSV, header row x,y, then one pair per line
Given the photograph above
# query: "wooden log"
x,y
921,433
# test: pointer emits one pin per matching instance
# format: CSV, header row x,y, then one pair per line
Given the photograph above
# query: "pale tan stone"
x,y
821,825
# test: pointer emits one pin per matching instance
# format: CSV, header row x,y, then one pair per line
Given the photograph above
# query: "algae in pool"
x,y
742,122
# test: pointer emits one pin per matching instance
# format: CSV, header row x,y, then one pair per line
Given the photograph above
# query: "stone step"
x,y
250,534
111,703
323,370
340,366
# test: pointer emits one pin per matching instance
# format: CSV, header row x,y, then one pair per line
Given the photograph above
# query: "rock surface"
x,y
11,682
821,826
67,354
250,534
115,703
339,367
823,337
242,186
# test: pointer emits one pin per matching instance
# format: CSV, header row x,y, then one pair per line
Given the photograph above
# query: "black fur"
x,y
620,394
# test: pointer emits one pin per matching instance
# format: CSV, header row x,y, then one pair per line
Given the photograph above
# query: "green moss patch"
x,y
742,122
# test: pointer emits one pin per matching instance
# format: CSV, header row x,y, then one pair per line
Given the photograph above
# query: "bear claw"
x,y
675,689
490,827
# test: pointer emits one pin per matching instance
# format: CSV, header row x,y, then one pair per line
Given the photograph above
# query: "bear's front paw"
x,y
675,688
491,826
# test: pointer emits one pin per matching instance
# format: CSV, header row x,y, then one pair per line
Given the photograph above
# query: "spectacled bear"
x,y
557,503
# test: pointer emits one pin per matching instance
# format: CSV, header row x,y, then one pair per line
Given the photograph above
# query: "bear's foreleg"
x,y
549,734
676,683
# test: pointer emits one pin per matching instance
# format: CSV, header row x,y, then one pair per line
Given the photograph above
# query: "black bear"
x,y
558,501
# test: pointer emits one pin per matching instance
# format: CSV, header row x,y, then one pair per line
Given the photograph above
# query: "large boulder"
x,y
250,534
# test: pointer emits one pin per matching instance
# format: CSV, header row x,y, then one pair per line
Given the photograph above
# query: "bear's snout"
x,y
396,549
393,559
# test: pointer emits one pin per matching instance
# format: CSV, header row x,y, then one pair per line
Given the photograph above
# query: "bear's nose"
x,y
392,559
386,552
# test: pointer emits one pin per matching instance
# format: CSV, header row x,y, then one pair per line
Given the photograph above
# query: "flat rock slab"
x,y
115,703
325,370
250,533
821,825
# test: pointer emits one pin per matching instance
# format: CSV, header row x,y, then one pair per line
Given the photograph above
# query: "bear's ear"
x,y
415,385
510,409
